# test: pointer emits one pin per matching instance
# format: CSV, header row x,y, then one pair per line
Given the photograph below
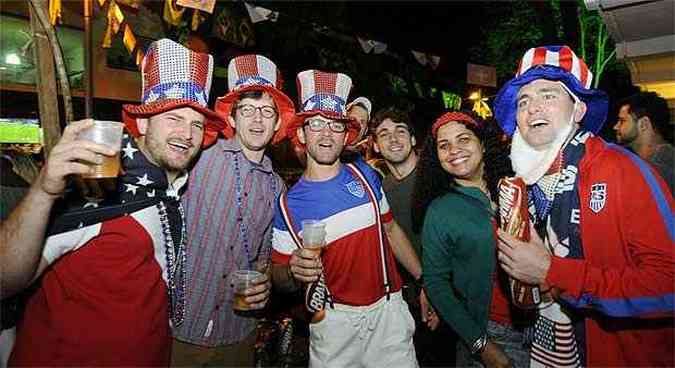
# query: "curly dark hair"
x,y
433,181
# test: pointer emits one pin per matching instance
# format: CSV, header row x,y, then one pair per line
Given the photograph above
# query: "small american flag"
x,y
554,345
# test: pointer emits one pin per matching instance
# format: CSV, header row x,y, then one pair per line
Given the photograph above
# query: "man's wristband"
x,y
479,345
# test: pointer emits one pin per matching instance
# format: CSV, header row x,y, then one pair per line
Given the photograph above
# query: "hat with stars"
x,y
255,73
325,94
174,77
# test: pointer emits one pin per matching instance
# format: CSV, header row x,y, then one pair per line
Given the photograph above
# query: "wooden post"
x,y
46,83
88,65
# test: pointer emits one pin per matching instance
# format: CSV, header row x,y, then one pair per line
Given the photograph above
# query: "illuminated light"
x,y
665,89
12,59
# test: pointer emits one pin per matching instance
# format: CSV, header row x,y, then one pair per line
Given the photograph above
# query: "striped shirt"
x,y
216,239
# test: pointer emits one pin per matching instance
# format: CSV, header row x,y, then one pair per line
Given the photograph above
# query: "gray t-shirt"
x,y
663,160
399,195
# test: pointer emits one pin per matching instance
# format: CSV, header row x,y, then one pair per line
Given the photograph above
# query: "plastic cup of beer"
x,y
242,280
314,235
108,133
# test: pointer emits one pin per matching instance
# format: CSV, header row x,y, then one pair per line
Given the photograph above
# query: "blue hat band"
x,y
325,102
176,91
252,80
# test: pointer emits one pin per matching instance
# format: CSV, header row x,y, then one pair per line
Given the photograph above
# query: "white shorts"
x,y
376,335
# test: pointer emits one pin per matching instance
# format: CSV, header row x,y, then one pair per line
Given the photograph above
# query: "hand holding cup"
x,y
251,290
71,156
108,133
305,263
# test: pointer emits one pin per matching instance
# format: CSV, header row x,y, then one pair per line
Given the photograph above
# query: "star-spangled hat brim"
x,y
213,123
284,105
505,104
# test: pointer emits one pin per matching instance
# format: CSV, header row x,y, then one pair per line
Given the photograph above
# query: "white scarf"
x,y
531,164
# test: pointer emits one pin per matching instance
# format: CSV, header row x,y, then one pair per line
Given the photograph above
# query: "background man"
x,y
358,110
369,324
229,206
108,269
644,126
605,217
394,139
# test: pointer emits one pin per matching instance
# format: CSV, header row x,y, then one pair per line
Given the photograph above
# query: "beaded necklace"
x,y
176,259
243,231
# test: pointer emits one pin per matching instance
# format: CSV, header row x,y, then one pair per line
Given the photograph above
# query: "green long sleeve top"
x,y
458,260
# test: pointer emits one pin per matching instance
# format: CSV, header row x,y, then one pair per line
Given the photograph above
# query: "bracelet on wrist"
x,y
479,345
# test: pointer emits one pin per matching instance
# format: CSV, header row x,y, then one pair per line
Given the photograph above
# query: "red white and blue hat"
x,y
556,63
325,94
255,73
174,77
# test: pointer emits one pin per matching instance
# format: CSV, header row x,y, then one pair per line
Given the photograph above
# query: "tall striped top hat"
x,y
325,94
174,77
556,63
255,73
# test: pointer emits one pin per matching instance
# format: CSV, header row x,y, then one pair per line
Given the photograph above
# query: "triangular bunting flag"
x,y
260,14
54,11
371,45
171,13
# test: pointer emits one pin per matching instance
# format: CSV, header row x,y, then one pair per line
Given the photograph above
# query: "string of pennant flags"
x,y
173,14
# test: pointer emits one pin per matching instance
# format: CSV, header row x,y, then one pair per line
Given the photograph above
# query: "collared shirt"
x,y
221,236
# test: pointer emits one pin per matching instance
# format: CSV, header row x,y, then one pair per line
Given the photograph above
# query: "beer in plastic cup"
x,y
242,280
314,235
108,133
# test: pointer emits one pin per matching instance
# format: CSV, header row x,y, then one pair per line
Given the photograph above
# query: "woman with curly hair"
x,y
455,196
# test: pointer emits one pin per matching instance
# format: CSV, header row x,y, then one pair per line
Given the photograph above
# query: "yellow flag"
x,y
129,39
171,13
115,19
54,11
139,56
197,19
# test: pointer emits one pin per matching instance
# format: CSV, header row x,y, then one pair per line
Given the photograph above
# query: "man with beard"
x,y
229,207
394,139
605,217
644,126
112,272
365,322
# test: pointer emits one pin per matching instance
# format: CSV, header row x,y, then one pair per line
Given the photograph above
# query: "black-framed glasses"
x,y
248,111
317,125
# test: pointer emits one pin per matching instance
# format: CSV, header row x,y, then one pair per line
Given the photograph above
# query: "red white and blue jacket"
x,y
623,287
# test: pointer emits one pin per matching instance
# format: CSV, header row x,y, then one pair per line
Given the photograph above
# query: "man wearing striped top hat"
x,y
361,319
229,206
112,272
602,248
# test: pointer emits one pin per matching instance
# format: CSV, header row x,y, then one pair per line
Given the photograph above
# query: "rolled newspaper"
x,y
515,220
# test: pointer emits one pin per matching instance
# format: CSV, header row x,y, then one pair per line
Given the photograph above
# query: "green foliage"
x,y
595,46
509,32
519,27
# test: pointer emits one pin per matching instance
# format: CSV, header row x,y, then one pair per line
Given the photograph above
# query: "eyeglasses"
x,y
248,111
317,125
